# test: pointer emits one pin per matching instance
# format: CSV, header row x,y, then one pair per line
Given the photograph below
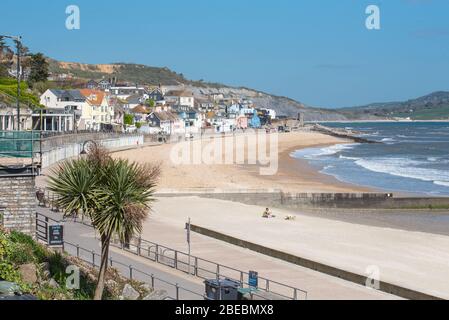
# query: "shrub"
x,y
21,254
39,252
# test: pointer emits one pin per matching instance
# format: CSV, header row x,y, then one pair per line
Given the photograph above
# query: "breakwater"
x,y
283,200
341,133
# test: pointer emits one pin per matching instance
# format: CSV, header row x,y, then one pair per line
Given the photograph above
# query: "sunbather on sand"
x,y
268,214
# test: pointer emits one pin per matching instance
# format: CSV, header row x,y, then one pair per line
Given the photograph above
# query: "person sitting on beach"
x,y
268,214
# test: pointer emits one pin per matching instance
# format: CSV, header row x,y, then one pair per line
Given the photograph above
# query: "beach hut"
x,y
255,121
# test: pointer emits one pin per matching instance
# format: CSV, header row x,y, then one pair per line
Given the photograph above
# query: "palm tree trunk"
x,y
105,239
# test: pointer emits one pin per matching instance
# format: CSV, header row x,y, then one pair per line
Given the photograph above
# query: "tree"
x,y
128,119
39,68
150,103
4,58
114,193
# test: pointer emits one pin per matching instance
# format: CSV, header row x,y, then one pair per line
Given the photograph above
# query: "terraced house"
x,y
99,113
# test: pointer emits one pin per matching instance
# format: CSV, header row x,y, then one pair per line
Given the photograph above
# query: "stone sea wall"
x,y
18,203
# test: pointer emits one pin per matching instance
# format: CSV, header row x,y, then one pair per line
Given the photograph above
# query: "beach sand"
x,y
293,175
415,260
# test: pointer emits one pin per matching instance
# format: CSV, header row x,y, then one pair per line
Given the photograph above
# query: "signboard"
x,y
56,235
253,279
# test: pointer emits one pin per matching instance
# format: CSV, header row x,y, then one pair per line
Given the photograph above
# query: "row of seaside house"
x,y
103,107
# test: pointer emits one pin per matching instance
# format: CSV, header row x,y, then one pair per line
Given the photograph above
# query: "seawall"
x,y
279,199
314,265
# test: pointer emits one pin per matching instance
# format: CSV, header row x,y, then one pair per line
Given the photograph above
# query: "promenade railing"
x,y
174,290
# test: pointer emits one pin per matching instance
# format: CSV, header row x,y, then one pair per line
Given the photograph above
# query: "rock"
x,y
111,284
28,273
129,293
146,287
157,295
52,283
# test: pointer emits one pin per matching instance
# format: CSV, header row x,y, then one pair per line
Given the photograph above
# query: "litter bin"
x,y
226,290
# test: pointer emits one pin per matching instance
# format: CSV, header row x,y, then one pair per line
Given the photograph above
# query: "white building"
x,y
181,98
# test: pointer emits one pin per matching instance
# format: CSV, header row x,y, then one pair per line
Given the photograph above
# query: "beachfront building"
x,y
65,110
155,95
167,122
255,121
98,113
241,122
140,113
132,101
191,117
124,92
180,98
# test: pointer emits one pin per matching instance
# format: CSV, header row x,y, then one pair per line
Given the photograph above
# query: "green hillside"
x,y
8,93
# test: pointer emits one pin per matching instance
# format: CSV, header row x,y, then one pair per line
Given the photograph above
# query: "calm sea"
x,y
413,157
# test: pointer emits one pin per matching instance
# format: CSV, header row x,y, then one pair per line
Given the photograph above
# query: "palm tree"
x,y
115,194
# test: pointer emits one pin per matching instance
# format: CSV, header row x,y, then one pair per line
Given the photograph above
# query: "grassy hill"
x,y
434,106
8,93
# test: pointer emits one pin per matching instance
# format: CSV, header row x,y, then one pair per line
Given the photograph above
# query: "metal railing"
x,y
206,269
192,265
174,290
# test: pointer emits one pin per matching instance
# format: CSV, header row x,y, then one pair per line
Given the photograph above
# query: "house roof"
x,y
93,97
166,116
68,95
179,93
134,99
210,115
140,109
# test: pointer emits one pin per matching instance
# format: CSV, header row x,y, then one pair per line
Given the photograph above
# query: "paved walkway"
x,y
84,236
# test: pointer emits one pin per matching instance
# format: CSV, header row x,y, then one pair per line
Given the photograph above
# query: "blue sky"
x,y
316,51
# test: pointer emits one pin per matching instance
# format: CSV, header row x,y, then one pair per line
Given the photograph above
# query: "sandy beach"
x,y
293,175
412,259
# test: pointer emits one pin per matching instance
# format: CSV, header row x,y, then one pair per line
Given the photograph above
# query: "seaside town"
x,y
122,107
128,182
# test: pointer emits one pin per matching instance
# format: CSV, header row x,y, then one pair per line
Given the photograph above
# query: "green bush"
x,y
21,254
39,252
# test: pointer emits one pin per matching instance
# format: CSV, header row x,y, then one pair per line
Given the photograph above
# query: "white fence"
x,y
73,150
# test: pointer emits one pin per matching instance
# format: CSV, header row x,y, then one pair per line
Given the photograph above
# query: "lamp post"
x,y
85,150
18,40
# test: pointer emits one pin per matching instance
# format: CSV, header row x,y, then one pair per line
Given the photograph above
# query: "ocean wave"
x,y
314,153
442,183
405,168
388,140
349,158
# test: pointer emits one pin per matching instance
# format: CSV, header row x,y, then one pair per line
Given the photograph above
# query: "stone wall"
x,y
279,199
18,203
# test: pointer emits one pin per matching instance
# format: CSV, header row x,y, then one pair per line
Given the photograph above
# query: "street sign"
x,y
55,235
253,279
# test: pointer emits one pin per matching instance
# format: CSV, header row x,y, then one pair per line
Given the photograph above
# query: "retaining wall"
x,y
18,203
59,153
317,266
